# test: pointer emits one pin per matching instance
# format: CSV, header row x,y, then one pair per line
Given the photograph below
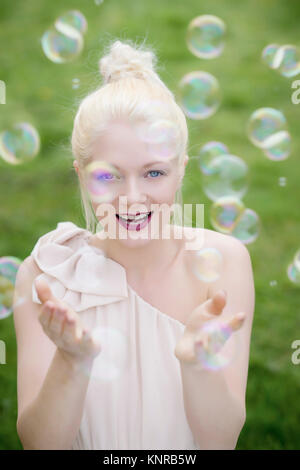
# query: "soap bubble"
x,y
228,176
222,347
285,59
75,83
9,266
63,42
101,180
263,124
19,144
247,227
113,359
267,130
199,94
229,215
282,181
205,36
273,283
225,213
208,152
207,264
160,137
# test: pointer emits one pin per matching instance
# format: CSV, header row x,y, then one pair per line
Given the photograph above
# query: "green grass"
x,y
38,195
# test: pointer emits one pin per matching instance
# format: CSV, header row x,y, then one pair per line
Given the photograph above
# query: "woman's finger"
x,y
236,321
43,290
208,310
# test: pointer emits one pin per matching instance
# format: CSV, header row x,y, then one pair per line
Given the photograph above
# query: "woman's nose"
x,y
134,192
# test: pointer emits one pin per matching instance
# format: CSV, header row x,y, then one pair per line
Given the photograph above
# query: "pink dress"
x,y
134,397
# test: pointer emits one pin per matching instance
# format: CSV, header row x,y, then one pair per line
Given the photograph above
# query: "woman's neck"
x,y
143,262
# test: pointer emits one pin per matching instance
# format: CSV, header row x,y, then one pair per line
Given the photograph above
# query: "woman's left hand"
x,y
198,334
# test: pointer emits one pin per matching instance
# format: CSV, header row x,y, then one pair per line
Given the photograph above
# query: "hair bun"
x,y
126,59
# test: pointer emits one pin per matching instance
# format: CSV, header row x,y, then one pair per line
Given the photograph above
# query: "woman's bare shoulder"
x,y
213,239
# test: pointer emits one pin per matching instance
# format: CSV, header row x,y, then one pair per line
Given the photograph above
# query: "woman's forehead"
x,y
121,145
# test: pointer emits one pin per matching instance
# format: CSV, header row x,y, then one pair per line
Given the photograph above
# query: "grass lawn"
x,y
36,196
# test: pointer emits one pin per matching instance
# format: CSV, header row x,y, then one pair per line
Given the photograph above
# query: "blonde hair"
x,y
130,83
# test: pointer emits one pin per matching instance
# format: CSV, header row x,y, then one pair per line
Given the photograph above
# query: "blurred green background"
x,y
37,195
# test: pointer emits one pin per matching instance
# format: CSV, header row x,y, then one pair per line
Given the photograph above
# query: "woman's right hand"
x,y
64,327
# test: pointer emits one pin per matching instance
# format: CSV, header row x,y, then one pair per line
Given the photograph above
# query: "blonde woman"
x,y
155,393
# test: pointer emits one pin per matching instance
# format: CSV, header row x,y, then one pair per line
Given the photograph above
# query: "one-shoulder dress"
x,y
134,397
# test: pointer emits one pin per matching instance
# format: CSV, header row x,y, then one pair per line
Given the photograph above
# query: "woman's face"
x,y
136,183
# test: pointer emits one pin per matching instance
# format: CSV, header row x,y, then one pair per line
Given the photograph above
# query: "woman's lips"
x,y
134,225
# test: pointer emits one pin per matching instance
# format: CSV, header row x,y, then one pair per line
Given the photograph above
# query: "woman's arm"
x,y
51,385
215,400
51,421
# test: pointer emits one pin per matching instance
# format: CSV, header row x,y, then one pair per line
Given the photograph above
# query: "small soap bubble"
x,y
207,264
98,2
273,283
199,95
225,213
101,181
19,144
113,359
208,152
205,36
282,181
75,83
63,41
227,176
9,266
222,346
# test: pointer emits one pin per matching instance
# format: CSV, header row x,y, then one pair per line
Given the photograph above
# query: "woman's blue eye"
x,y
156,173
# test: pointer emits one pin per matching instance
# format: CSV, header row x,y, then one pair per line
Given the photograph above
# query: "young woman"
x,y
152,391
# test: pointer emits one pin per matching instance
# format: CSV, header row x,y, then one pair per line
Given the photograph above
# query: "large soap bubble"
x,y
205,36
19,144
101,180
228,176
285,59
63,42
230,216
199,94
208,152
267,129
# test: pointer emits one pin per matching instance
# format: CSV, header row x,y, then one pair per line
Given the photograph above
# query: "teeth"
x,y
137,218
